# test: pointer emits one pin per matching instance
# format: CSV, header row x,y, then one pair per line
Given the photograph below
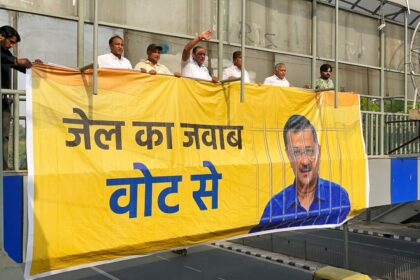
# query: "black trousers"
x,y
7,116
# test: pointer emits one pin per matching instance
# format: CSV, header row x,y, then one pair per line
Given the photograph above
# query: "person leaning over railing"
x,y
9,37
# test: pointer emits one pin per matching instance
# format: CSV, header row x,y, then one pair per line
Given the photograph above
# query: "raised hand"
x,y
206,35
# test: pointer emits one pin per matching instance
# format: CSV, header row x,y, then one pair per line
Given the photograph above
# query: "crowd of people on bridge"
x,y
192,66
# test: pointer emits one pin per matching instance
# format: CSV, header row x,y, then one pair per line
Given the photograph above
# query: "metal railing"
x,y
14,139
385,266
382,132
390,134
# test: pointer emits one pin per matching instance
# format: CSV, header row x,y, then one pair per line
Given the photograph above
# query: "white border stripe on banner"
x,y
366,157
30,158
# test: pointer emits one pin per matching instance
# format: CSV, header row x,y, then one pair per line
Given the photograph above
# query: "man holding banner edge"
x,y
310,200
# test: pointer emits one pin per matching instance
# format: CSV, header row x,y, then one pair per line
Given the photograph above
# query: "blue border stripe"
x,y
403,180
13,216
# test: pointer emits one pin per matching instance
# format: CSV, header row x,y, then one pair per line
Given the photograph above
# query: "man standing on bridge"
x,y
8,38
324,82
279,77
192,65
115,58
309,200
151,65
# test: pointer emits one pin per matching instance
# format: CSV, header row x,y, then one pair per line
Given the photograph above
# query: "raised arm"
x,y
205,35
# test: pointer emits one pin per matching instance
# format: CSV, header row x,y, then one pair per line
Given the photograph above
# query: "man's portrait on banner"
x,y
310,199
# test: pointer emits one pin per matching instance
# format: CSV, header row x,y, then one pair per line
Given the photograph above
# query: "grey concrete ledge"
x,y
274,257
382,234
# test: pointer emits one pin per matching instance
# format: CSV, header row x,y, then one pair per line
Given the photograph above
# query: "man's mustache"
x,y
305,168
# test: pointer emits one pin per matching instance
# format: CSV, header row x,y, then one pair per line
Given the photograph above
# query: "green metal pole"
x,y
220,38
243,51
15,129
314,42
405,61
95,47
16,114
80,33
337,88
382,88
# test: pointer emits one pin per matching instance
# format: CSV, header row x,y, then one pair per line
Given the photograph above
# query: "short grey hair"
x,y
278,65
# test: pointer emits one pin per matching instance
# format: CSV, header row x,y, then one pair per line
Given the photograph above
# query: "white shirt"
x,y
234,71
109,60
276,81
148,66
191,69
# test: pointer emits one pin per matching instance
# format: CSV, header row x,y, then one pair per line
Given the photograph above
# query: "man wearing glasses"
x,y
192,66
309,200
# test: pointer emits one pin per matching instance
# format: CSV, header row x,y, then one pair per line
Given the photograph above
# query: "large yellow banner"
x,y
152,162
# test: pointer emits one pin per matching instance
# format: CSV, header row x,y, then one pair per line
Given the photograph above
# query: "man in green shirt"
x,y
324,82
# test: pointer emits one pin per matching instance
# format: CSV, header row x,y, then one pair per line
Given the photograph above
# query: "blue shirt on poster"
x,y
331,205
